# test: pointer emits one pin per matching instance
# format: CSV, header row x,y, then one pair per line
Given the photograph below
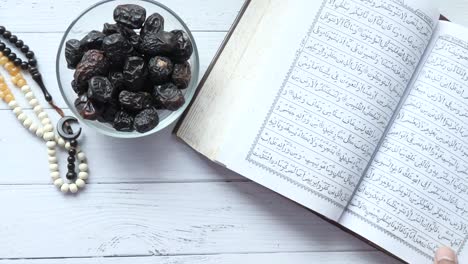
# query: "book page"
x,y
321,81
414,197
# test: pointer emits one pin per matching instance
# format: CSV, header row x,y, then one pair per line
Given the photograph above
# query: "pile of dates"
x,y
130,70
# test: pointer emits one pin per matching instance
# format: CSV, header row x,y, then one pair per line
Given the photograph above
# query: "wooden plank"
x,y
56,15
45,45
157,158
455,10
363,257
159,219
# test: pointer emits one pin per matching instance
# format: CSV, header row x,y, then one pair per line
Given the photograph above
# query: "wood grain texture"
x,y
362,257
455,10
56,15
157,158
160,219
151,197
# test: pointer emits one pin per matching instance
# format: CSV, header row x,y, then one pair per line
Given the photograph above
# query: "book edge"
x,y
212,64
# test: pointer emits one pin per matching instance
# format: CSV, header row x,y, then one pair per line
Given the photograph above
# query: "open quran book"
x,y
356,109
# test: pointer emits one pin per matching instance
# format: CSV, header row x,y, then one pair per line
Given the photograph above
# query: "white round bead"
x,y
27,123
51,144
52,159
53,167
45,121
22,117
17,111
81,156
48,128
13,104
39,132
51,152
58,182
65,188
38,109
33,102
25,89
42,115
73,188
83,167
29,96
83,175
67,146
61,142
55,175
80,183
33,128
49,136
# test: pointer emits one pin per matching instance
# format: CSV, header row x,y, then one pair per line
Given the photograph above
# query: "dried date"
x,y
93,63
100,89
107,115
168,96
93,40
182,75
117,48
86,108
78,89
146,120
123,121
117,80
132,16
135,73
153,25
135,102
160,69
73,53
183,46
161,43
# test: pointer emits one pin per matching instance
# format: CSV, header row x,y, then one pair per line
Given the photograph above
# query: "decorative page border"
x,y
288,75
464,45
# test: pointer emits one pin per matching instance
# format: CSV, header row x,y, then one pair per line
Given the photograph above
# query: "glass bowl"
x,y
94,18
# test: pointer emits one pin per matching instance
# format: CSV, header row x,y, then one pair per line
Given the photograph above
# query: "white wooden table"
x,y
150,200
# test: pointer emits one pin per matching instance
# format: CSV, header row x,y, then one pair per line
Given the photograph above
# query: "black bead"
x,y
24,65
6,51
73,143
72,152
71,166
25,48
19,43
32,62
71,159
71,175
2,29
30,54
13,38
7,34
17,62
12,56
2,46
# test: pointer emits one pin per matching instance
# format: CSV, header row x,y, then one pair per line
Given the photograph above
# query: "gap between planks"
x,y
305,257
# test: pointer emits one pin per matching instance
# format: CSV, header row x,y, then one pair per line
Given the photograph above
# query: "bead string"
x,y
30,64
44,130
